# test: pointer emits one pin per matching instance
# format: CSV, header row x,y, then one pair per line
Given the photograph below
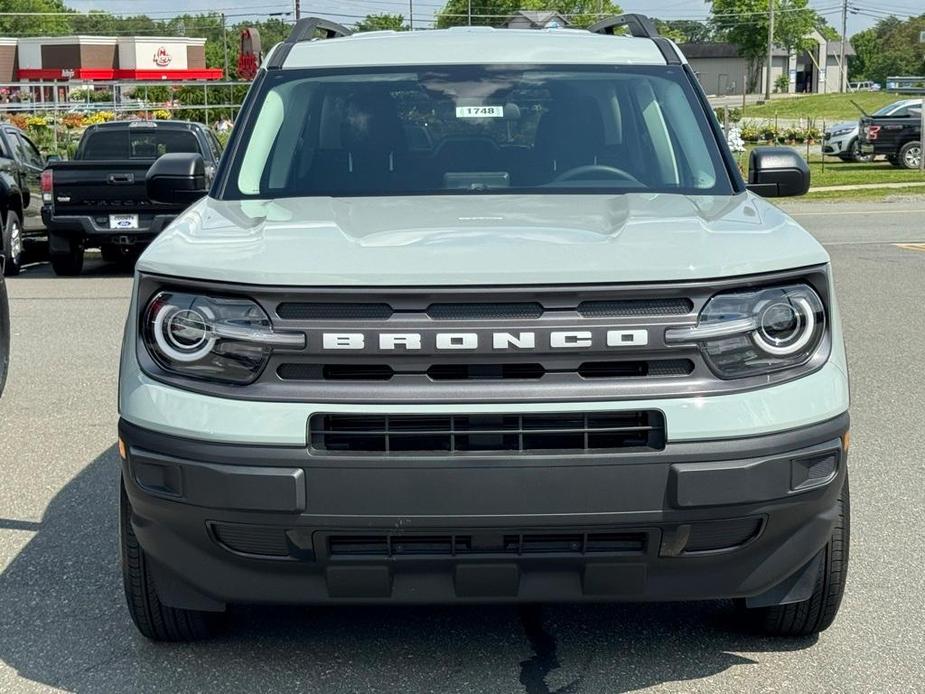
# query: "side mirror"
x,y
777,172
53,157
179,177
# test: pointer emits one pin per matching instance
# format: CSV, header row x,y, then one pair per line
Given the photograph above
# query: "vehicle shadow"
x,y
94,266
63,625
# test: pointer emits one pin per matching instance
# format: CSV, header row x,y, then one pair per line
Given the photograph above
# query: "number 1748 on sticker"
x,y
480,111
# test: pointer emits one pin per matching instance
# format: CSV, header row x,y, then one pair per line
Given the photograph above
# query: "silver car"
x,y
841,139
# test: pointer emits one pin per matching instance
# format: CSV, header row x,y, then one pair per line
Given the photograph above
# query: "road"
x,y
63,625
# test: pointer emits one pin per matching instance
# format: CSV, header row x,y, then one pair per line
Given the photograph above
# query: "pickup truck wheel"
x,y
818,612
154,620
855,153
12,244
910,155
70,262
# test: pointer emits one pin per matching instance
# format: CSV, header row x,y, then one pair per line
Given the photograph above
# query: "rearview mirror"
x,y
777,172
179,177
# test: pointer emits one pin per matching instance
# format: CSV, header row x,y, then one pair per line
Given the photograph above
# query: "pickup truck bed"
x,y
107,201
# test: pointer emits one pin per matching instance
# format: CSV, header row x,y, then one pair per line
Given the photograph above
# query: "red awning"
x,y
118,74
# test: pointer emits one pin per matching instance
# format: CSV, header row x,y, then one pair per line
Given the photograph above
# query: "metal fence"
x,y
55,113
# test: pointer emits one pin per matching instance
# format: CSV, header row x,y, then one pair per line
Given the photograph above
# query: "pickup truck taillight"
x,y
47,185
872,131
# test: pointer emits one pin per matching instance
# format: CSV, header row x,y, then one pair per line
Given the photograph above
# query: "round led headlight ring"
x,y
184,334
784,327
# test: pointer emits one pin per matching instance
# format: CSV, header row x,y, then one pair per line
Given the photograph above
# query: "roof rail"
x,y
304,30
639,25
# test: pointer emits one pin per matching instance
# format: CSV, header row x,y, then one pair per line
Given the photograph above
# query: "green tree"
x,y
579,13
30,24
890,47
380,22
685,30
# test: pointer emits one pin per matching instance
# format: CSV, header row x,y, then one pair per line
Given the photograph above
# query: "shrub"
x,y
782,84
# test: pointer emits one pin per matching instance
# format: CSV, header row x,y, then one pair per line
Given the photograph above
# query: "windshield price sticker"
x,y
480,111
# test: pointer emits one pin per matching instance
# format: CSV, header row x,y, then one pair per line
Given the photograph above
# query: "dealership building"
x,y
101,58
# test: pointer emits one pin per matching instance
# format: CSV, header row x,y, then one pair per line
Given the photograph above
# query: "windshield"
x,y
470,129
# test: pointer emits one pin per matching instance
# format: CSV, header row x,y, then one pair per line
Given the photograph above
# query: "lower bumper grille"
x,y
507,544
460,434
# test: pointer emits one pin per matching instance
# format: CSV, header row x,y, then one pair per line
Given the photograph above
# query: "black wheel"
x,y
855,153
67,263
818,612
13,244
154,620
910,155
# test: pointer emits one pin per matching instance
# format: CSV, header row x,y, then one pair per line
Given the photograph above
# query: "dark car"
x,y
898,137
21,166
98,200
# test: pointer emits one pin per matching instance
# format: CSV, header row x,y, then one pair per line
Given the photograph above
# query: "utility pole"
x,y
411,15
767,82
843,69
298,10
225,45
470,12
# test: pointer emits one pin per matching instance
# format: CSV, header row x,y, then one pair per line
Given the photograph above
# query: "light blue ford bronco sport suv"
x,y
482,316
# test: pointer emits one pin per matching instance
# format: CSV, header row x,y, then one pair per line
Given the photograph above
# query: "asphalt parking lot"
x,y
63,625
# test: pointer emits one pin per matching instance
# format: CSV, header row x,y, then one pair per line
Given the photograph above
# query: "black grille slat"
x,y
252,539
452,434
721,534
485,311
522,544
297,310
633,308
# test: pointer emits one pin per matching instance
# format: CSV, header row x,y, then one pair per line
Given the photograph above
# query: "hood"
x,y
480,240
841,126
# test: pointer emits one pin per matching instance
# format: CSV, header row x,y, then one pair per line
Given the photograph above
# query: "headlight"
x,y
757,332
840,132
214,338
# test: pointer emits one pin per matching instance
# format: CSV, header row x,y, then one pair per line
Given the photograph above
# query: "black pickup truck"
x,y
21,225
897,137
99,200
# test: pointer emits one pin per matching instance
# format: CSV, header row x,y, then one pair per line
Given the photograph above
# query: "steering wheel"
x,y
580,171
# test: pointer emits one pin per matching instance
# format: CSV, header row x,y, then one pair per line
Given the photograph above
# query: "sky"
x,y
348,11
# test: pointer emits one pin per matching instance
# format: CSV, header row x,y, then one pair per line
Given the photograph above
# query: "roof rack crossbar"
x,y
305,30
639,25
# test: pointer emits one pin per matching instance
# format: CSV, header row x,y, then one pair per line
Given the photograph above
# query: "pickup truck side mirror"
x,y
53,157
177,177
777,172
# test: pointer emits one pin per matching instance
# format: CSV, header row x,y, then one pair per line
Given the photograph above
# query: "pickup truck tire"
x,y
855,155
910,154
70,262
12,244
154,620
818,612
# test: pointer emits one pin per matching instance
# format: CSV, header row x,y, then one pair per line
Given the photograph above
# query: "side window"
x,y
214,146
4,152
28,152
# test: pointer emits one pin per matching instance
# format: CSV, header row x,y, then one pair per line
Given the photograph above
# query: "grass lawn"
x,y
830,107
916,193
839,173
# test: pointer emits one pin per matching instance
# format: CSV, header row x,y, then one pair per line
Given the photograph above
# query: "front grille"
x,y
477,371
631,308
506,544
291,310
481,433
489,311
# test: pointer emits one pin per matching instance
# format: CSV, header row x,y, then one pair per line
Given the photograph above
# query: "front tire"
x,y
13,244
817,613
153,619
910,155
68,262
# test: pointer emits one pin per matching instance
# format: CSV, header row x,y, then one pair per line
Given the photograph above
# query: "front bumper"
x,y
838,146
230,523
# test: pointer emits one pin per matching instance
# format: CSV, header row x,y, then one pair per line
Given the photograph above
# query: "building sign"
x,y
162,58
249,57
